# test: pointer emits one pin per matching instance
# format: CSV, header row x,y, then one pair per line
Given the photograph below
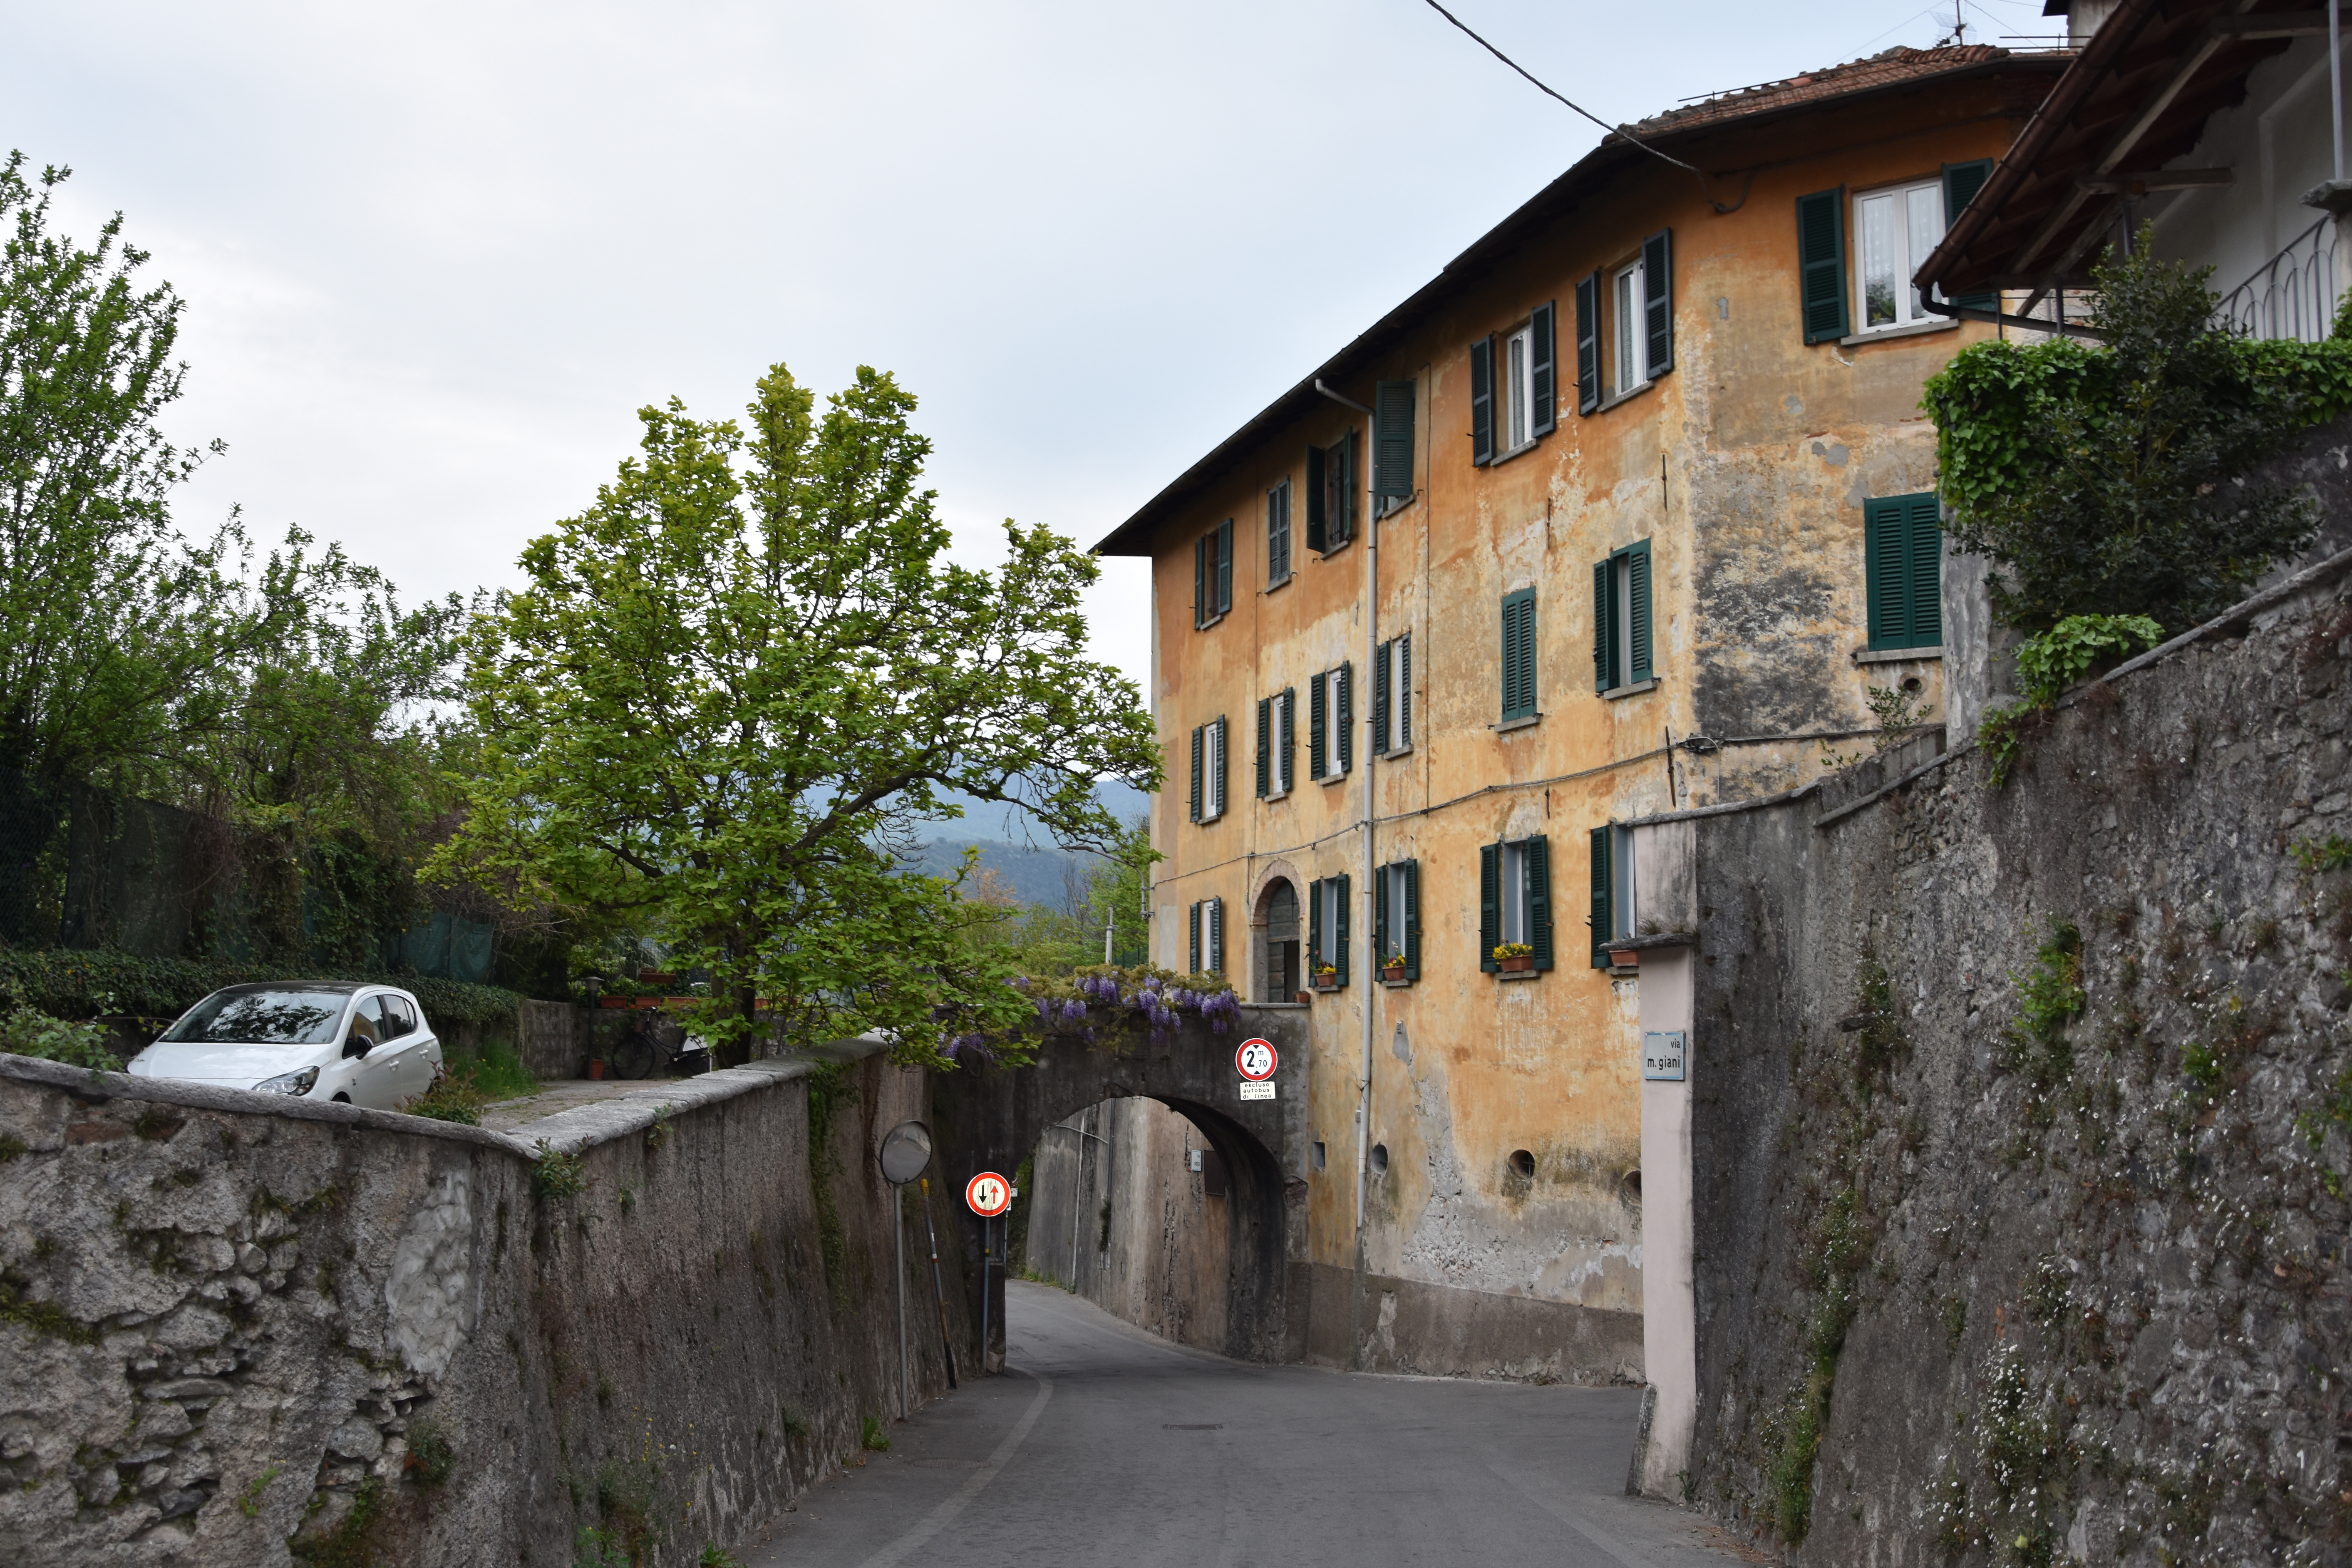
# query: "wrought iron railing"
x,y
2292,295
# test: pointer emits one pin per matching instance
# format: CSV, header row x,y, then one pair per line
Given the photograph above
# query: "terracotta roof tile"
x,y
1886,69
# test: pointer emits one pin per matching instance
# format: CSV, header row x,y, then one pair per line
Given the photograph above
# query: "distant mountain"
x,y
1009,825
1036,875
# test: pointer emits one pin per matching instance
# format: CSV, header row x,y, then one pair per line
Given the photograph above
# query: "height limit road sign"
x,y
988,1195
1255,1060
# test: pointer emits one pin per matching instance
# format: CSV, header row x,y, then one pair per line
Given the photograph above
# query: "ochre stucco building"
x,y
1655,509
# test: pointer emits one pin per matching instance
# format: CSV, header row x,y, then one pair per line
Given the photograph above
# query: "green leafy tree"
x,y
2114,480
272,691
732,688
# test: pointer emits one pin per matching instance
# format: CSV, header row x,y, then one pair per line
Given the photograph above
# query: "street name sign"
x,y
1661,1057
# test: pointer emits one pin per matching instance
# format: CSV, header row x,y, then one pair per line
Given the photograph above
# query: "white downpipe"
x,y
1369,969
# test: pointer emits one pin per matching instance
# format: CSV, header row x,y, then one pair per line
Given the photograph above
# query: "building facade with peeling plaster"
x,y
1642,384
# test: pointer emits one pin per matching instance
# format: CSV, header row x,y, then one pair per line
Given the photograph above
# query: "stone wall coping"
x,y
566,1132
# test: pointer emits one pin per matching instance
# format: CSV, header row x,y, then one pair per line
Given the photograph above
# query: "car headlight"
x,y
288,1082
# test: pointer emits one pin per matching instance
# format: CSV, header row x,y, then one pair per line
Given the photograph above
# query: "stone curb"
x,y
566,1132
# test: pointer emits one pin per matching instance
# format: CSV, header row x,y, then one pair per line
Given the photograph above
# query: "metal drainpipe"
x,y
2335,87
1371,655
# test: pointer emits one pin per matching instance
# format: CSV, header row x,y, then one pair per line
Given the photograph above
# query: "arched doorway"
x,y
1276,926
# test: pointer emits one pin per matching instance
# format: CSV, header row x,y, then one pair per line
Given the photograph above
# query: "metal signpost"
x,y
988,1194
906,1153
1255,1061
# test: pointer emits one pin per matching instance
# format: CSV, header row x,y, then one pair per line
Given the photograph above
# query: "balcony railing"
x,y
2293,295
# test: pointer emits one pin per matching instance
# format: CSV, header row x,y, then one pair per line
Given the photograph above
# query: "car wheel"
x,y
342,1099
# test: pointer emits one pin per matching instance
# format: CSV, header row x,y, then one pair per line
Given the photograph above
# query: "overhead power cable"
x,y
1614,130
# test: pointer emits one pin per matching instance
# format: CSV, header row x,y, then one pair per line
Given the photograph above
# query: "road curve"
x,y
1105,1444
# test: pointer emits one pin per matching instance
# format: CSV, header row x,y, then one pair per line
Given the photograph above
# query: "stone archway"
x,y
989,1119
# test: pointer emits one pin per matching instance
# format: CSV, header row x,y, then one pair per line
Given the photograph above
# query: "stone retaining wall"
x,y
228,1323
2021,1130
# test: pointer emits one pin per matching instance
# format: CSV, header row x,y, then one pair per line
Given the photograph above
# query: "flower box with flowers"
x,y
1514,957
1327,978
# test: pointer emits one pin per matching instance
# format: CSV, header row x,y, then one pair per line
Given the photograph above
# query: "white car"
x,y
363,1045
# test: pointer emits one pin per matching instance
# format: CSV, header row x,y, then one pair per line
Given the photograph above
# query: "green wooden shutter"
x,y
1223,747
1404,689
1216,937
1883,573
1903,559
1519,654
1412,919
1192,952
1538,861
1225,566
1587,343
1277,533
1658,301
1319,727
1346,718
1289,735
1490,904
1264,746
1199,581
1924,547
1317,532
1196,772
1820,264
1604,627
1543,375
1346,489
1527,660
1380,919
1638,619
1482,402
1961,184
1340,917
1392,436
1380,700
1314,929
1604,895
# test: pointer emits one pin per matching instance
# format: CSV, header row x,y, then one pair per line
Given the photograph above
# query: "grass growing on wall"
x,y
830,1087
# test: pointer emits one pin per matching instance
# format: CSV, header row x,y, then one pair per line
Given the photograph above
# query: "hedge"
x,y
78,983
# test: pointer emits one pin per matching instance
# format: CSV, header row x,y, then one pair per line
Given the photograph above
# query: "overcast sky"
x,y
436,256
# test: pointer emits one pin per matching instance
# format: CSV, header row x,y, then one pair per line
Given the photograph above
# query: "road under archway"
x,y
993,1119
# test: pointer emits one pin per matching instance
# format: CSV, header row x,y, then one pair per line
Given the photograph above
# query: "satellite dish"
x,y
906,1152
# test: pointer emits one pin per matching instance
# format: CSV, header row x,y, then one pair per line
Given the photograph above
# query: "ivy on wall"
x,y
2119,478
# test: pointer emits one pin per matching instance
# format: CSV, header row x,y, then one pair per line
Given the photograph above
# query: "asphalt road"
x,y
1104,1445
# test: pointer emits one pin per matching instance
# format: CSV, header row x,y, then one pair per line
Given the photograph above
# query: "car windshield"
x,y
263,1018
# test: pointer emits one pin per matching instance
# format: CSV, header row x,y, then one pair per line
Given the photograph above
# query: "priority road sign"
x,y
1255,1060
988,1195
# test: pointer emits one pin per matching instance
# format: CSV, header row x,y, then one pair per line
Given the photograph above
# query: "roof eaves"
x,y
1132,537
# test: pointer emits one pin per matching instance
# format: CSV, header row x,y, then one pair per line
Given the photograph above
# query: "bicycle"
x,y
637,1053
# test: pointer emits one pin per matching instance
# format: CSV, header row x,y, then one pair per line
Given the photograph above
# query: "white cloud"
x,y
438,255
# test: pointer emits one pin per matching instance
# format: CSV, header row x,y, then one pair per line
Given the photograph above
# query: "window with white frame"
x,y
1518,396
1277,744
1514,909
1630,360
1392,697
1208,791
1331,724
1894,231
